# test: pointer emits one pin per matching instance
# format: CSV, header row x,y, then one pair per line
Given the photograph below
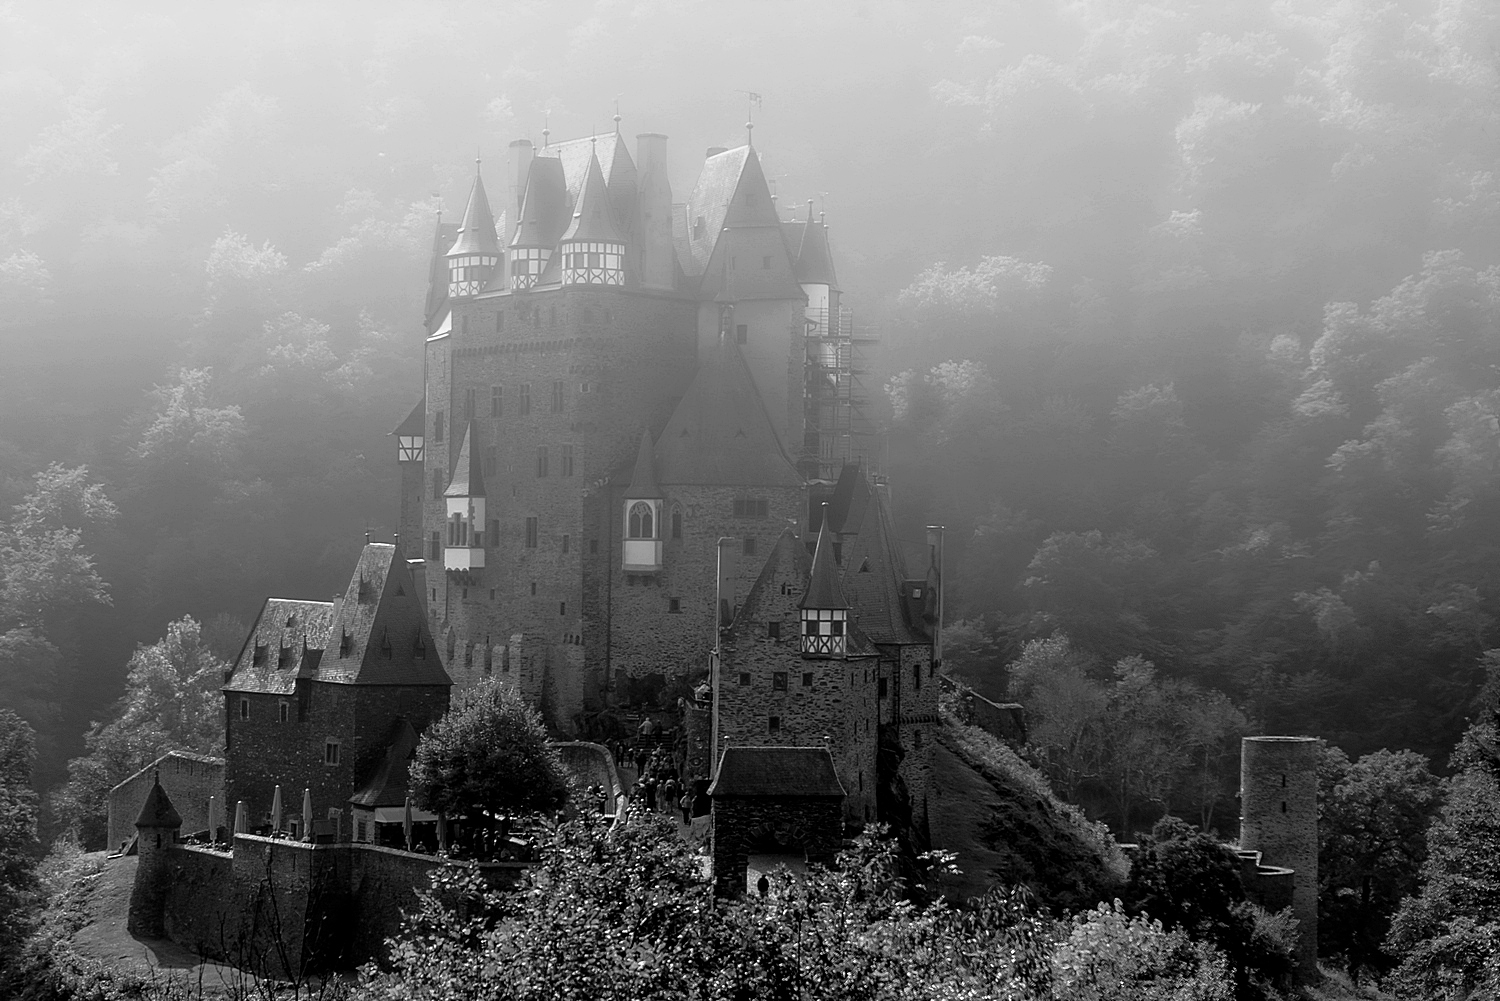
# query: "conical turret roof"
x,y
814,260
544,206
476,234
823,588
158,810
643,478
468,476
593,216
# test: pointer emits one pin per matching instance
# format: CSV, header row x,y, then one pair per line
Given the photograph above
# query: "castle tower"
x,y
593,251
476,252
410,437
156,832
1279,819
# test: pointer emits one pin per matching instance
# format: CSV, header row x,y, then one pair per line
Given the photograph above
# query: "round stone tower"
x,y
156,832
1279,819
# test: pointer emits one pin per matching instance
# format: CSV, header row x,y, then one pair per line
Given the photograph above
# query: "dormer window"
x,y
699,228
284,657
258,659
385,644
345,641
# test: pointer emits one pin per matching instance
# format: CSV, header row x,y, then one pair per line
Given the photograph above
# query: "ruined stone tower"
x,y
156,832
1279,819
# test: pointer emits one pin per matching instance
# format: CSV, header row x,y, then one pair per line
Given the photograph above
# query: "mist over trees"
x,y
1186,312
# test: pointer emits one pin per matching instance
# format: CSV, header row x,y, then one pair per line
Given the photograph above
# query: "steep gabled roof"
x,y
593,215
573,155
874,571
379,635
814,258
468,473
476,234
415,425
286,635
823,589
749,258
437,272
777,771
643,475
387,781
158,810
710,202
787,563
720,433
544,207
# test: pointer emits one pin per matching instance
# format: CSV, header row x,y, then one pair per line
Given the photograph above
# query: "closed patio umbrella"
x,y
276,811
307,823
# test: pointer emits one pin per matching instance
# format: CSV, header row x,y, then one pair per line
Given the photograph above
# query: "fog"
x,y
1188,311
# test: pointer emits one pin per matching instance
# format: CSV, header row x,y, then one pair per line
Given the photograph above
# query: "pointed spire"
x,y
814,259
593,217
823,588
643,477
468,477
158,810
476,235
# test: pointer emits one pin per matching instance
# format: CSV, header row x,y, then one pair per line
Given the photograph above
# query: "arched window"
x,y
677,523
640,521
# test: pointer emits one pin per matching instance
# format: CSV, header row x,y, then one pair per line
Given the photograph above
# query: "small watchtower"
x,y
1279,819
156,832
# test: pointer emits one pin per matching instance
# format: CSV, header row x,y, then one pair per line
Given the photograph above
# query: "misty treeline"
x,y
1187,314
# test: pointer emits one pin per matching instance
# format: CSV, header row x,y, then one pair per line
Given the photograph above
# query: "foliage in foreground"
x,y
626,912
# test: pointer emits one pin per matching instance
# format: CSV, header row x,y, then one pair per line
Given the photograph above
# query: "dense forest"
x,y
1187,318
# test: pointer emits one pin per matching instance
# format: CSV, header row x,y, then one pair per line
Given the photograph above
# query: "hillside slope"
x,y
1007,827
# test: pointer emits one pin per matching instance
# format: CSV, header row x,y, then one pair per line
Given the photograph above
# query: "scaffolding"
x,y
837,424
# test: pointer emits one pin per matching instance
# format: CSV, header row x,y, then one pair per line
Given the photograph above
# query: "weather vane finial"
x,y
546,127
752,101
617,116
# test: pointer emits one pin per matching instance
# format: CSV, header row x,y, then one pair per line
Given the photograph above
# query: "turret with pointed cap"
x,y
825,610
641,548
475,253
592,248
465,503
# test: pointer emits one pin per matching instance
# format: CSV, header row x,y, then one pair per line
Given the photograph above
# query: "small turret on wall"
x,y
1279,819
156,832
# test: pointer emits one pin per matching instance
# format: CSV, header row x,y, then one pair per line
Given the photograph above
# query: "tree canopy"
x,y
489,754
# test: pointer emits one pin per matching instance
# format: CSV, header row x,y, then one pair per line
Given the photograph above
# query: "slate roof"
x,y
777,771
388,642
544,207
643,475
374,635
720,434
388,780
158,810
814,259
823,590
788,559
415,424
593,215
476,234
468,471
749,258
287,634
710,201
437,272
874,572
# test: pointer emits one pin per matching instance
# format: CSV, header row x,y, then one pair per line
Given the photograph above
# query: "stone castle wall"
x,y
189,779
279,908
264,752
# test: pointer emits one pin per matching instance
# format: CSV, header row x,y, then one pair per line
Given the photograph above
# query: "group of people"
x,y
657,788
